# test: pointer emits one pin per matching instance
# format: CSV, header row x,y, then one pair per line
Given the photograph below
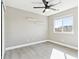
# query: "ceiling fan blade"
x,y
38,7
54,9
55,4
44,1
50,2
44,10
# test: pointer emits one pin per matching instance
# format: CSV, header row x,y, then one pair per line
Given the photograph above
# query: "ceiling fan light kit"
x,y
47,6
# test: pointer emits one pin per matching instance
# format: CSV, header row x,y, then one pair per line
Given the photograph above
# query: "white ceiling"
x,y
28,5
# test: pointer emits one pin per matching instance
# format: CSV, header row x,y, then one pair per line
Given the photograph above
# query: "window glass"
x,y
58,25
64,24
67,24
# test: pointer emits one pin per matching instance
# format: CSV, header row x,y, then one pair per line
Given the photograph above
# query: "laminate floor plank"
x,y
39,51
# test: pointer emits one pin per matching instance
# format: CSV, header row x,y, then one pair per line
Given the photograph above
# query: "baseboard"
x,y
62,44
24,45
34,43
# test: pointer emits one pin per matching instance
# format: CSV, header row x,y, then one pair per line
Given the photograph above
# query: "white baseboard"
x,y
34,43
24,45
62,44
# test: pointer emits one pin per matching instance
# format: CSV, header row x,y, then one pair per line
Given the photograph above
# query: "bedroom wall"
x,y
65,38
19,29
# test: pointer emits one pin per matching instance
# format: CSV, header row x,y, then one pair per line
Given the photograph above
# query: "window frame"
x,y
57,18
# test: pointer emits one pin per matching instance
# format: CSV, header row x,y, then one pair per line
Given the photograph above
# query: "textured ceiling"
x,y
28,5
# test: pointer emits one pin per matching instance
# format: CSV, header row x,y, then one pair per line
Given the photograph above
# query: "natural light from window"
x,y
64,24
70,57
56,54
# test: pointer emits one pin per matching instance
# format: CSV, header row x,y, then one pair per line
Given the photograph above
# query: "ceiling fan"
x,y
47,6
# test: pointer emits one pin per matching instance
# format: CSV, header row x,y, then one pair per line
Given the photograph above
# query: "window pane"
x,y
58,25
67,24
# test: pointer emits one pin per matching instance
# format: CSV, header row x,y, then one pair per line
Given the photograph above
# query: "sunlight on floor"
x,y
56,54
70,57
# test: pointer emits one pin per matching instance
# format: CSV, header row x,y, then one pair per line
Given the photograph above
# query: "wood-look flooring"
x,y
39,51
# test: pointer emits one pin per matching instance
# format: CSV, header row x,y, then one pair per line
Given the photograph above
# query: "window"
x,y
64,24
58,25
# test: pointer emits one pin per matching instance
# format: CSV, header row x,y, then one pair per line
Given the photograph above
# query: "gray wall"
x,y
19,30
66,38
